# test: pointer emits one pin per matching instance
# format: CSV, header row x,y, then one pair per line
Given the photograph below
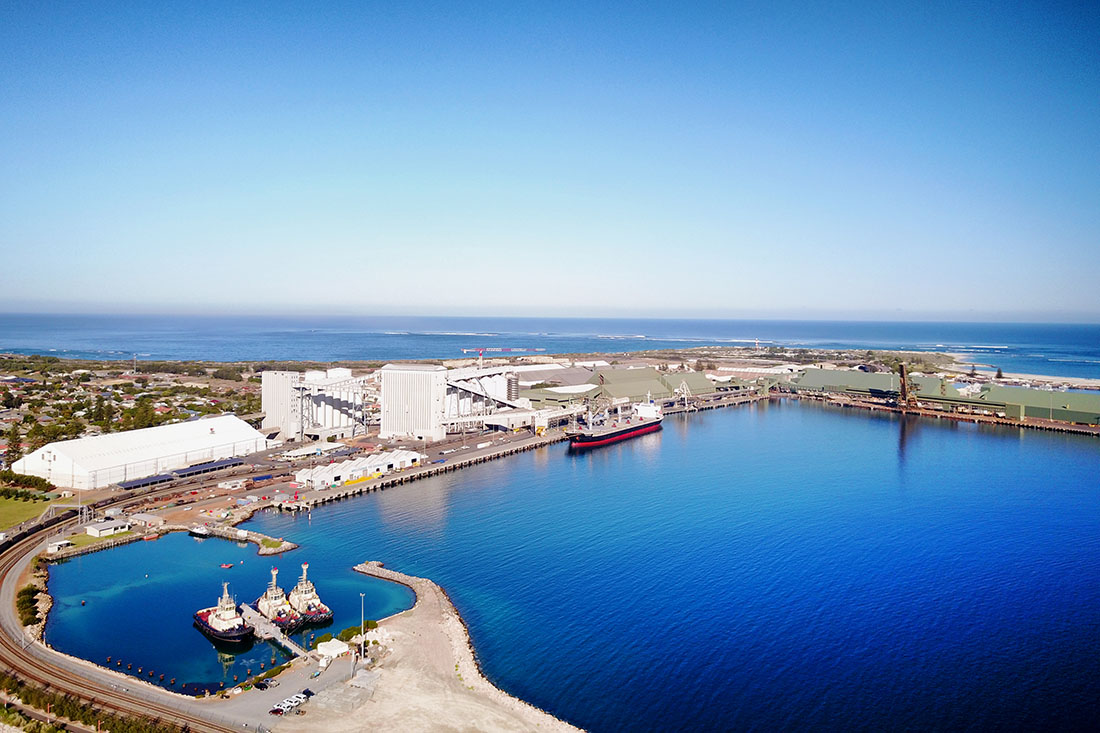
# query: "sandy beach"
x,y
428,680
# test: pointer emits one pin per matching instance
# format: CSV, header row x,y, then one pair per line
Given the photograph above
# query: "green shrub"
x,y
27,482
348,634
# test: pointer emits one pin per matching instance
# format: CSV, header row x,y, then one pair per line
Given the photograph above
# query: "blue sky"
x,y
805,160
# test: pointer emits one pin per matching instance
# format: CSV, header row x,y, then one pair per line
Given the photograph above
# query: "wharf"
x,y
313,498
711,404
267,545
971,417
265,630
310,499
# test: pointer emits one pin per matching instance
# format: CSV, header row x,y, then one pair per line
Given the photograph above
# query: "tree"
x,y
1000,374
14,452
11,400
108,416
227,373
36,436
973,370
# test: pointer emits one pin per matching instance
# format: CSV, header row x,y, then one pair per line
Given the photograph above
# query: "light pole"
x,y
361,623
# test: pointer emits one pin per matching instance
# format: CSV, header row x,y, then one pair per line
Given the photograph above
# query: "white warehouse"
x,y
101,460
317,404
358,469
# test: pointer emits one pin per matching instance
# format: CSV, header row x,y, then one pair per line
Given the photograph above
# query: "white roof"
x,y
313,449
110,524
366,464
135,446
332,647
573,388
414,368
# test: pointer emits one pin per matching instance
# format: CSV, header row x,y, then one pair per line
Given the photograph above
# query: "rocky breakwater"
x,y
429,680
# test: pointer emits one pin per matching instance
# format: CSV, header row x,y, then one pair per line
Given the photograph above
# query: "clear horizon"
x,y
729,161
930,319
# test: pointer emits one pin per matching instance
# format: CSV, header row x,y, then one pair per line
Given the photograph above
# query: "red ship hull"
x,y
581,440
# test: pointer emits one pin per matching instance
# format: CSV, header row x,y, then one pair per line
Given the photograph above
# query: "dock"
x,y
701,403
1032,423
308,500
323,496
266,630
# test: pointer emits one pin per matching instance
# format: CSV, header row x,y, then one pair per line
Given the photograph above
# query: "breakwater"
x,y
435,636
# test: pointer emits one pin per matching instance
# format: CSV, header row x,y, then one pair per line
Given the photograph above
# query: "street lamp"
x,y
361,624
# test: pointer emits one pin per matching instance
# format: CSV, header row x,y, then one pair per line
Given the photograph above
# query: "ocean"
x,y
1070,350
778,566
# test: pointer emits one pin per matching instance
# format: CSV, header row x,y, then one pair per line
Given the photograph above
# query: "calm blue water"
x,y
139,599
782,566
1063,350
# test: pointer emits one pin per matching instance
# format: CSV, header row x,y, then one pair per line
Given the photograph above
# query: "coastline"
x,y
428,679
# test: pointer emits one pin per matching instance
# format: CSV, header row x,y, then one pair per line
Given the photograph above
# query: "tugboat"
x,y
304,599
274,606
223,621
646,419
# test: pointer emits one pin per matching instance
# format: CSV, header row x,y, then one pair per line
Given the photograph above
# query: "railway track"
x,y
36,663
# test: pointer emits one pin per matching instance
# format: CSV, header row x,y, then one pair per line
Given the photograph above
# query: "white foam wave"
x,y
457,333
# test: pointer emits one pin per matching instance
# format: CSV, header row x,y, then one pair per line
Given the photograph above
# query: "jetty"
x,y
267,545
266,630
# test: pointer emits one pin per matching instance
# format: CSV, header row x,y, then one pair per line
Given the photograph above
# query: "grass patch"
x,y
271,544
14,511
83,540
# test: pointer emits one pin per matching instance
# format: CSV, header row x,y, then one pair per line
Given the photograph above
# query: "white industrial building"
x,y
316,404
358,469
421,401
108,528
102,460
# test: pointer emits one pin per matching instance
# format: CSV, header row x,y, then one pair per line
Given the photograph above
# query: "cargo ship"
x,y
303,598
646,418
274,606
223,621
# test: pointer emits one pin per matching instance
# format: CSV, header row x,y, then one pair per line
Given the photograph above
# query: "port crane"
x,y
498,349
